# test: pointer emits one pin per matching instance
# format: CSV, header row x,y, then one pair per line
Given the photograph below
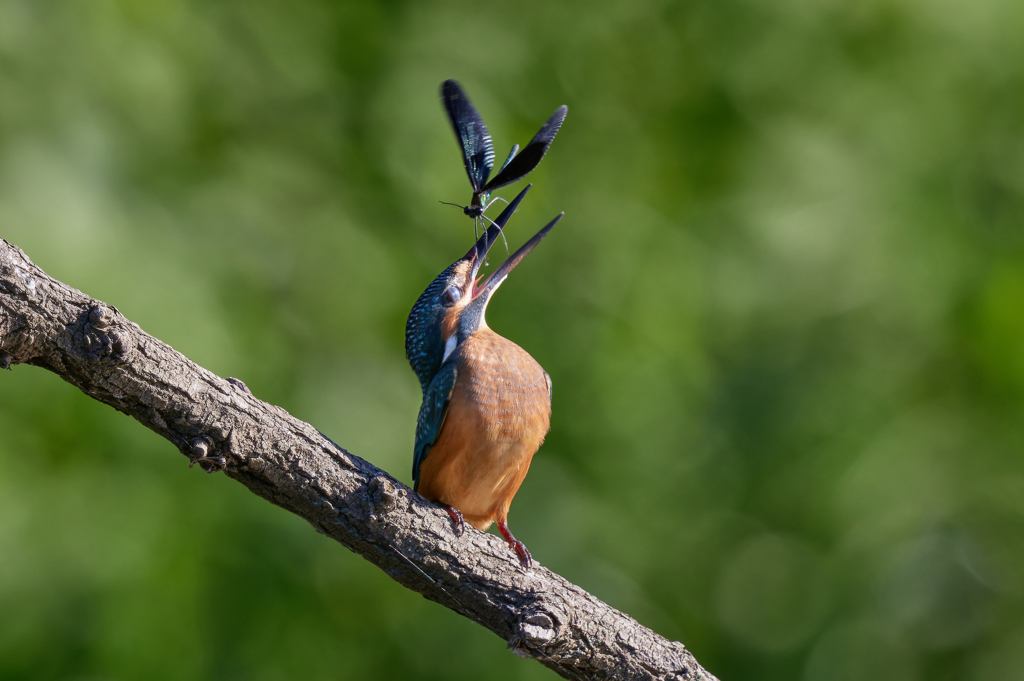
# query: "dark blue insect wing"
x,y
527,160
475,141
432,413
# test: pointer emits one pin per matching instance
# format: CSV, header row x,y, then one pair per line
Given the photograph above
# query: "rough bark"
x,y
218,424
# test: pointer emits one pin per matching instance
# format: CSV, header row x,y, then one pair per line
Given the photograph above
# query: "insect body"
x,y
478,150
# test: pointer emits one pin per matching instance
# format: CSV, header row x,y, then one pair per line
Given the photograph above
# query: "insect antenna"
x,y
476,221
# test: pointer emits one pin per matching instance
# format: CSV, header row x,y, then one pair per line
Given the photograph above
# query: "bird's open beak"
x,y
491,284
478,253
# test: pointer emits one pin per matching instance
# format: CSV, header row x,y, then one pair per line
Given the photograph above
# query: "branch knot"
x,y
383,493
536,628
101,316
201,449
99,340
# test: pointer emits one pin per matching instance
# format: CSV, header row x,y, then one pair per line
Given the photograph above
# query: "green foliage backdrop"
x,y
784,317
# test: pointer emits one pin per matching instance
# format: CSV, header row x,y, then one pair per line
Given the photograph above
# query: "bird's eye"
x,y
451,294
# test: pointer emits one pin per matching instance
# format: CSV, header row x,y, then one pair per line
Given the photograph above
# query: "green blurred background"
x,y
784,317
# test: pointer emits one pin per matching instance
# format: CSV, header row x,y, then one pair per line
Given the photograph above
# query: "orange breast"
x,y
498,415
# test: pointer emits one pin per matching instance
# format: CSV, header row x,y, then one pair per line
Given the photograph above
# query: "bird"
x,y
478,150
486,402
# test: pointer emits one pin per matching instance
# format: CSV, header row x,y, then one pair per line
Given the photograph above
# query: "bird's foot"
x,y
519,547
456,515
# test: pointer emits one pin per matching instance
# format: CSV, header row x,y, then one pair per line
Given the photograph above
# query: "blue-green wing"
x,y
432,413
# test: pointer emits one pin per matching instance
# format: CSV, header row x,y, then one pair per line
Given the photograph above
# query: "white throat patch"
x,y
449,346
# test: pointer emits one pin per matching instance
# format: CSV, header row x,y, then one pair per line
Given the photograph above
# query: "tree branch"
x,y
220,425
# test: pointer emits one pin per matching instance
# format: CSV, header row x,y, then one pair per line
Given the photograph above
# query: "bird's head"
x,y
453,305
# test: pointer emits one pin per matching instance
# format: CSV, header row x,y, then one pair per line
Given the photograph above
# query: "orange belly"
x,y
498,415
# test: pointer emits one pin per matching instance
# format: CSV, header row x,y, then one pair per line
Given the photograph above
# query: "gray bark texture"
x,y
219,425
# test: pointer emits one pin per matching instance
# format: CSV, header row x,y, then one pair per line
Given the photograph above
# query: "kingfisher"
x,y
486,402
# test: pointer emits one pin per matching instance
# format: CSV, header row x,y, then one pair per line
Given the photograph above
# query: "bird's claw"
x,y
456,516
519,547
524,553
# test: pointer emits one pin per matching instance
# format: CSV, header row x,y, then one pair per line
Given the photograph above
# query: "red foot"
x,y
519,547
456,514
